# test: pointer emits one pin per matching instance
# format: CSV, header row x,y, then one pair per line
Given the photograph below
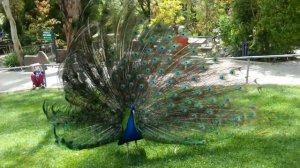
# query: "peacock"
x,y
135,80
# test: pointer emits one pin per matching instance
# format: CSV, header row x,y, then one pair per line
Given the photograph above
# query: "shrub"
x,y
11,60
30,50
60,43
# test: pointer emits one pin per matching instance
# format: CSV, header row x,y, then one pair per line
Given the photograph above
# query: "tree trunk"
x,y
145,6
13,30
71,10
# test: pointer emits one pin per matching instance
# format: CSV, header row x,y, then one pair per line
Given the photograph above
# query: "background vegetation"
x,y
268,26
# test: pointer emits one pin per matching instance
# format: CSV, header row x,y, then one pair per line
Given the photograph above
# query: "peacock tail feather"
x,y
135,80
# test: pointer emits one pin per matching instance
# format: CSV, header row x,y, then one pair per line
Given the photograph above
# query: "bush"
x,y
11,60
31,50
60,43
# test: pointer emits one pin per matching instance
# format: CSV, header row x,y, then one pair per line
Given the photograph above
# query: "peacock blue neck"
x,y
130,132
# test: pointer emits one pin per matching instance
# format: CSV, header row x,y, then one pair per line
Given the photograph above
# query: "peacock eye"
x,y
194,116
173,94
177,73
139,77
222,77
213,100
161,71
154,82
198,105
244,116
128,77
194,79
236,118
134,69
135,54
154,60
141,86
215,60
218,122
148,71
238,87
198,92
185,87
144,62
194,52
131,85
132,97
209,112
174,46
184,111
209,89
171,105
203,68
169,59
252,114
158,94
170,81
123,86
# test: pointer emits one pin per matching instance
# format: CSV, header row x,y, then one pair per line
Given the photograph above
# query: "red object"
x,y
182,40
37,79
182,43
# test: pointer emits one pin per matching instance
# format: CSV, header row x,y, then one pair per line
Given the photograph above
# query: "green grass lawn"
x,y
272,141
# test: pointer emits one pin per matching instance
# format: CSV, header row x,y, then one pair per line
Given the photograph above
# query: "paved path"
x,y
285,73
266,73
15,81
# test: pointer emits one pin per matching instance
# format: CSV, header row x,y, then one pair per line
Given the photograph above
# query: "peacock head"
x,y
132,106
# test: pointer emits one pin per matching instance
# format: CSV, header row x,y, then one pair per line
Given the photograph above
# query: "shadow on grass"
x,y
276,151
21,154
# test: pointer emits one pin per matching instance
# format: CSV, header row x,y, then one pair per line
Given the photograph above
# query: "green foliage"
x,y
277,30
57,14
11,60
167,11
144,6
32,17
27,138
270,27
31,50
60,43
202,16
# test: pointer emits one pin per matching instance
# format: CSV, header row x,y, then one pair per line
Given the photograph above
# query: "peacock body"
x,y
134,81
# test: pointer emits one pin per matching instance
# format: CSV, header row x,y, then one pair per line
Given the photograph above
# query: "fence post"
x,y
247,76
245,53
44,67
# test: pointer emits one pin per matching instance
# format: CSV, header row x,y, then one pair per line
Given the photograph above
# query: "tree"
x,y
38,20
202,16
277,27
71,10
77,13
269,26
13,29
167,11
145,7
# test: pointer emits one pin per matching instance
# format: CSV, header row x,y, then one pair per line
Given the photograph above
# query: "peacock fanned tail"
x,y
134,80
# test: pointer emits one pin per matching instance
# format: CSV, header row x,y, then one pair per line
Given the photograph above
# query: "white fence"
x,y
261,56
